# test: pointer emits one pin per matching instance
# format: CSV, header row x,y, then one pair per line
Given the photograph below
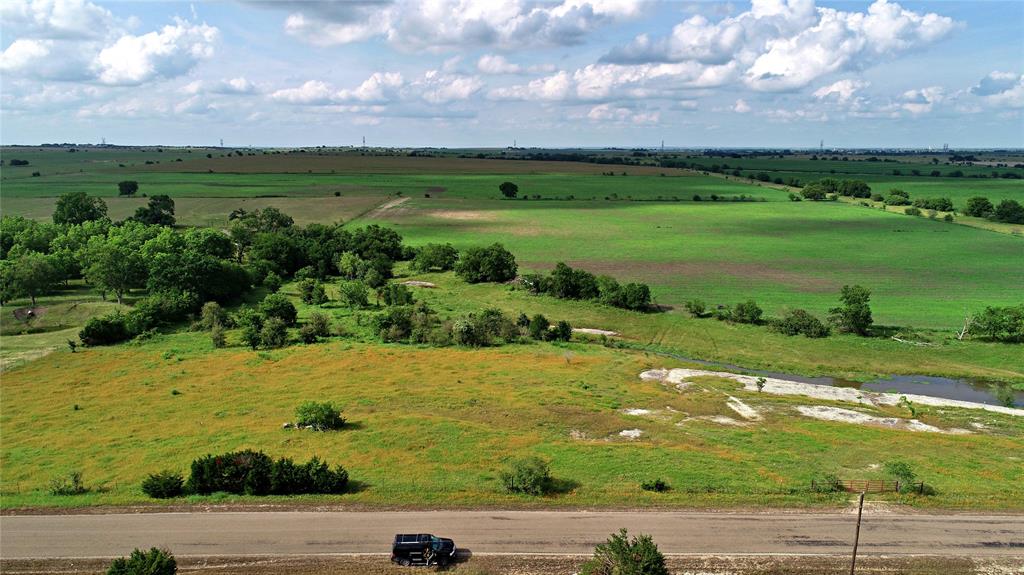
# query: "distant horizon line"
x,y
525,148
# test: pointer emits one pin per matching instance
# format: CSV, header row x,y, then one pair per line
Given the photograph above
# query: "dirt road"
x,y
519,532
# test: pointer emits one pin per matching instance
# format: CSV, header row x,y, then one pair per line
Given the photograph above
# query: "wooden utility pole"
x,y
856,537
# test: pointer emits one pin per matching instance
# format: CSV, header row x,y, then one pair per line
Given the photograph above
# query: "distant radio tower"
x,y
364,141
515,143
103,141
222,142
821,146
663,146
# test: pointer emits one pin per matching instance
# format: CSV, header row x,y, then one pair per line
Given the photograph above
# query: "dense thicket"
x,y
567,283
255,473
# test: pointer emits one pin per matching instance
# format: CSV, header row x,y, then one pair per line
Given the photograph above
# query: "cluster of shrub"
x,y
853,316
1008,211
829,188
249,472
1005,323
565,282
419,323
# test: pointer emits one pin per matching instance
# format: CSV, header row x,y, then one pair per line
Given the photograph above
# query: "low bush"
x,y
539,326
746,312
312,292
164,485
530,475
70,484
902,472
153,562
106,330
826,483
695,307
217,336
657,485
278,306
912,211
323,416
621,555
212,315
799,322
274,333
254,473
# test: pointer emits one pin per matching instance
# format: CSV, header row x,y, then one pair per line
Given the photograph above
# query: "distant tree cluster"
x,y
565,282
853,316
1008,211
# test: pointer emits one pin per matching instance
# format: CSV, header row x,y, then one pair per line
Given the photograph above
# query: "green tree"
x,y
637,296
278,306
814,191
441,257
114,267
854,316
1009,211
979,207
159,211
127,188
351,266
539,326
487,264
621,555
508,189
854,188
78,207
32,274
746,312
274,333
354,294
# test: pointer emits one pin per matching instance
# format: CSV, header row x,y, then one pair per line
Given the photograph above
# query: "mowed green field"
x,y
434,427
781,254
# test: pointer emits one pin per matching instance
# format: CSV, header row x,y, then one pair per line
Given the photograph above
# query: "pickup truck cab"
x,y
422,549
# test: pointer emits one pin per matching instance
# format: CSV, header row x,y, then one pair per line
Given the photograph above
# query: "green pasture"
x,y
434,427
922,273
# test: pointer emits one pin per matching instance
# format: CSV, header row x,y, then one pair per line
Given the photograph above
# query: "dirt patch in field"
x,y
463,215
435,191
386,208
828,413
680,376
483,564
595,331
744,410
29,313
417,283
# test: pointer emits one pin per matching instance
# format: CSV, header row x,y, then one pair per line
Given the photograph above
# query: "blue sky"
x,y
487,73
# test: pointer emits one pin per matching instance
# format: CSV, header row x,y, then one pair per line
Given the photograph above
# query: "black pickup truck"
x,y
422,549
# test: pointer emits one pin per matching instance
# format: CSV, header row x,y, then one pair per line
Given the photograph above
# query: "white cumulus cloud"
x,y
842,90
170,52
447,24
787,44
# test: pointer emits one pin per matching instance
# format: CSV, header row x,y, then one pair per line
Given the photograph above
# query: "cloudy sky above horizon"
x,y
487,73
